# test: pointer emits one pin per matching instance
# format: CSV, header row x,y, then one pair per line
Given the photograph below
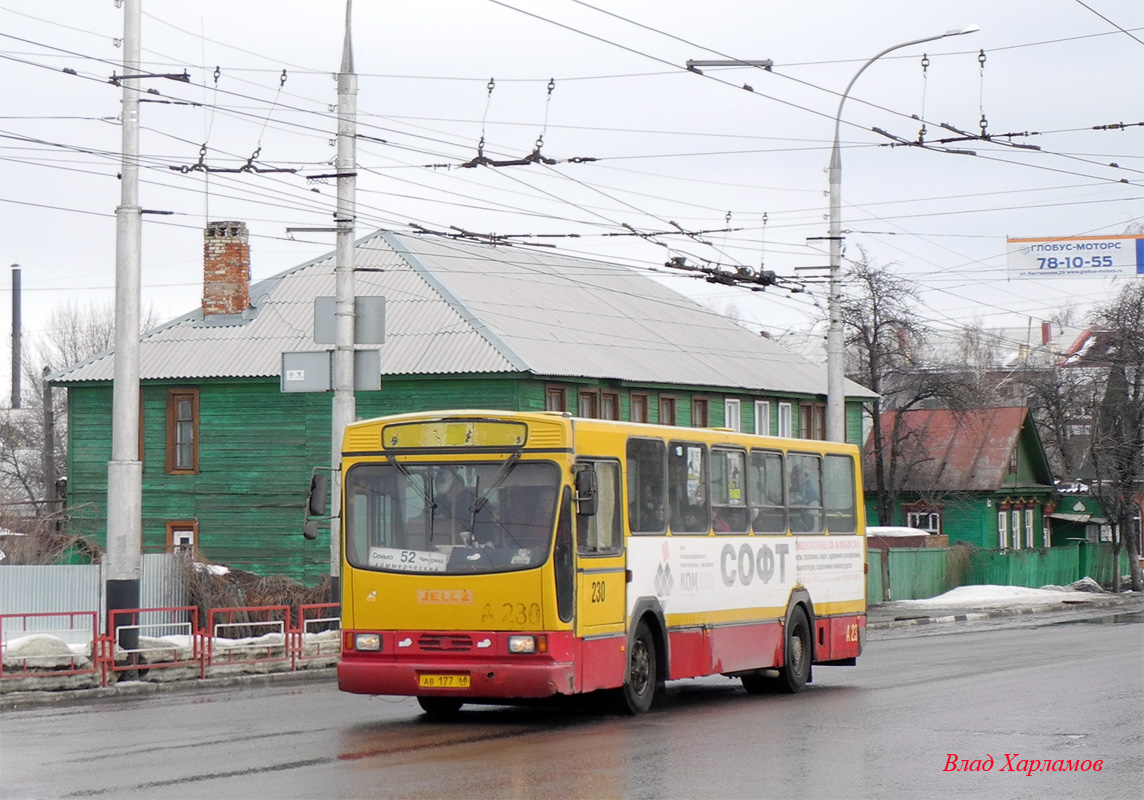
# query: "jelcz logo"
x,y
664,582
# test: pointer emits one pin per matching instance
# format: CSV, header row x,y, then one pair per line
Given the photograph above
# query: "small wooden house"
x,y
227,455
979,476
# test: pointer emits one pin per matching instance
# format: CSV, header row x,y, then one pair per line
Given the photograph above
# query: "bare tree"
x,y
1062,402
885,337
74,333
1118,435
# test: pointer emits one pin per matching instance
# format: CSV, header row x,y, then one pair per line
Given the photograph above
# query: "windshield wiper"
x,y
483,497
419,487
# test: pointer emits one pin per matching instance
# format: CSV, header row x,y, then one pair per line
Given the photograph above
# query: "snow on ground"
x,y
1002,596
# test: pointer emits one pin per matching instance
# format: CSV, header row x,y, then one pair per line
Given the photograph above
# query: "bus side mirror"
x,y
310,530
319,495
316,504
587,491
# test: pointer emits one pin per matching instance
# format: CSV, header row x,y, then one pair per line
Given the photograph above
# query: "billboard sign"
x,y
1076,256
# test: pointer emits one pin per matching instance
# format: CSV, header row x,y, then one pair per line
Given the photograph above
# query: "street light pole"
x,y
835,373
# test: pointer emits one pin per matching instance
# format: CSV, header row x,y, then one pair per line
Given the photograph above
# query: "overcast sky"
x,y
671,147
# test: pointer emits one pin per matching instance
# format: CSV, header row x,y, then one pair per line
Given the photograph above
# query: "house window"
x,y
928,521
762,418
699,415
639,407
183,431
1013,461
182,535
1029,528
589,403
667,411
784,419
1015,527
555,399
1003,529
609,405
732,414
812,421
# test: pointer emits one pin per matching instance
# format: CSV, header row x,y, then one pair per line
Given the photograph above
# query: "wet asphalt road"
x,y
1051,690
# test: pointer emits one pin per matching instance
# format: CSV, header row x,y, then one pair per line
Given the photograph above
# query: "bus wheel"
x,y
795,672
641,682
440,706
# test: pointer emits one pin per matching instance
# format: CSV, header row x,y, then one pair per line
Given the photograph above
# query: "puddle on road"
x,y
1129,618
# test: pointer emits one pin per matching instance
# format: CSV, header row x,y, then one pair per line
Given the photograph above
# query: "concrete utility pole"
x,y
125,471
344,410
835,369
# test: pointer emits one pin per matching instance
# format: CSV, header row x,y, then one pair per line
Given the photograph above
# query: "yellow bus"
x,y
492,556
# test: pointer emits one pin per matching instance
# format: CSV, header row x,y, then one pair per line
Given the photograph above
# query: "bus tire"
x,y
642,680
797,654
440,706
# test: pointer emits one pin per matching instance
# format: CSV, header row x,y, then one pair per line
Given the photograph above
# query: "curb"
x,y
16,700
1061,605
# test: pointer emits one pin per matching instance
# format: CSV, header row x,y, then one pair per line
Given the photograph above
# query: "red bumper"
x,y
493,673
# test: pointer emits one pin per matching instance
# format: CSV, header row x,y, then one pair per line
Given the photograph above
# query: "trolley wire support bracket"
x,y
182,77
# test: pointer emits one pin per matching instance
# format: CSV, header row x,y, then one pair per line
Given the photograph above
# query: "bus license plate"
x,y
443,681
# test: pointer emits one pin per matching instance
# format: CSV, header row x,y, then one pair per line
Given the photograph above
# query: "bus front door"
x,y
601,582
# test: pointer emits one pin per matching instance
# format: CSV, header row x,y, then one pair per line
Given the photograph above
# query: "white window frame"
x,y
762,417
932,520
785,419
733,413
1003,529
1029,530
1016,528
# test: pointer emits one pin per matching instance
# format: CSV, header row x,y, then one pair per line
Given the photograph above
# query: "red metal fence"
x,y
239,639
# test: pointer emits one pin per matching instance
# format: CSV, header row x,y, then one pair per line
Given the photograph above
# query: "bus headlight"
x,y
522,644
367,641
528,644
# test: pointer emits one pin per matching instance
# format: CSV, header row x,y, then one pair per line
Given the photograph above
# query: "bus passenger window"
x,y
601,533
688,502
646,483
768,506
841,514
728,491
805,498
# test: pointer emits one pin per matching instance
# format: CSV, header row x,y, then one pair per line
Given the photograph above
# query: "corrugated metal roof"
x,y
957,450
458,307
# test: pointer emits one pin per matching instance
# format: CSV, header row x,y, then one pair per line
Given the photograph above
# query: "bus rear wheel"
x,y
797,654
642,680
440,706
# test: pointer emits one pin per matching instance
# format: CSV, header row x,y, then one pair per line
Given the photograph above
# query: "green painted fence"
x,y
875,560
915,573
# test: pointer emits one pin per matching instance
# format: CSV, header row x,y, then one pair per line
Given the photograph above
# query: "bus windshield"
x,y
451,518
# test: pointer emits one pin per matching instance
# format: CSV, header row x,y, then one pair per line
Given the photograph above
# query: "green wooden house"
x,y
979,476
227,455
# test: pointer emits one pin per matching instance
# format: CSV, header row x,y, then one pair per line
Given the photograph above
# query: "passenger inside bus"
x,y
452,501
805,502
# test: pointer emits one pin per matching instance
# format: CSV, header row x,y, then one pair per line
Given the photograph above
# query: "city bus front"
x,y
458,562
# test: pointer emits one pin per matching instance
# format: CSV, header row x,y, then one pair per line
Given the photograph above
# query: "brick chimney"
x,y
226,268
1046,332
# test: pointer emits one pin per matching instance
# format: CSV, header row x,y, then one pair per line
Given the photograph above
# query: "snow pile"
x,y
976,596
46,652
